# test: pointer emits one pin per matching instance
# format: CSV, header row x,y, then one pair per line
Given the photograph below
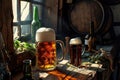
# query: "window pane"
x,y
15,32
25,30
39,4
25,11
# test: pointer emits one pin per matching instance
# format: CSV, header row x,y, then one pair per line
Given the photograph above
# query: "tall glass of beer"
x,y
46,59
75,51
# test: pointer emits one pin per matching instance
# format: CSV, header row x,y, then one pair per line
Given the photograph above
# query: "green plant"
x,y
24,46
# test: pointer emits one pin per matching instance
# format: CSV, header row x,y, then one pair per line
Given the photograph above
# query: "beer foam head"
x,y
75,41
45,34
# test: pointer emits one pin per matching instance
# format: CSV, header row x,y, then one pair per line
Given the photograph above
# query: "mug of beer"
x,y
46,58
76,50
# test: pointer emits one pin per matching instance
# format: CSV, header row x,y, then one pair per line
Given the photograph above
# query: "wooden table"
x,y
64,71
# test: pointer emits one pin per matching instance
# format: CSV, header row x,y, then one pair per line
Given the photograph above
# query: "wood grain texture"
x,y
83,12
6,20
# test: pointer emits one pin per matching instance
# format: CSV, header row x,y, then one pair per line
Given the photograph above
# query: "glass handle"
x,y
61,43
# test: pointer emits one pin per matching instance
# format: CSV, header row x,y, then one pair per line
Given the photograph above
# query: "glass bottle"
x,y
35,23
5,73
27,73
92,36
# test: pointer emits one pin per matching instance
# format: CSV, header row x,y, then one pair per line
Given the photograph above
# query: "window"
x,y
22,11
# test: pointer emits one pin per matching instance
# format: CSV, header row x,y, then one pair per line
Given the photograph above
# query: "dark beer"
x,y
75,51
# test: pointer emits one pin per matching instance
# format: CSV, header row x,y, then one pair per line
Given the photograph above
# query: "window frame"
x,y
25,22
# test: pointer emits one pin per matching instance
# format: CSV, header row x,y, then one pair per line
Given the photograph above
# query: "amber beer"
x,y
46,53
75,51
46,49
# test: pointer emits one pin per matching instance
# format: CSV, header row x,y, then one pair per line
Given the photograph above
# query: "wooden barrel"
x,y
108,21
83,12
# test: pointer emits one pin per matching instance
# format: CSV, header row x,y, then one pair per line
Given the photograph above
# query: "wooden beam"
x,y
6,20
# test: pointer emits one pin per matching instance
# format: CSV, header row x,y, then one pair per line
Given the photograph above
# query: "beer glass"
x,y
46,58
76,50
